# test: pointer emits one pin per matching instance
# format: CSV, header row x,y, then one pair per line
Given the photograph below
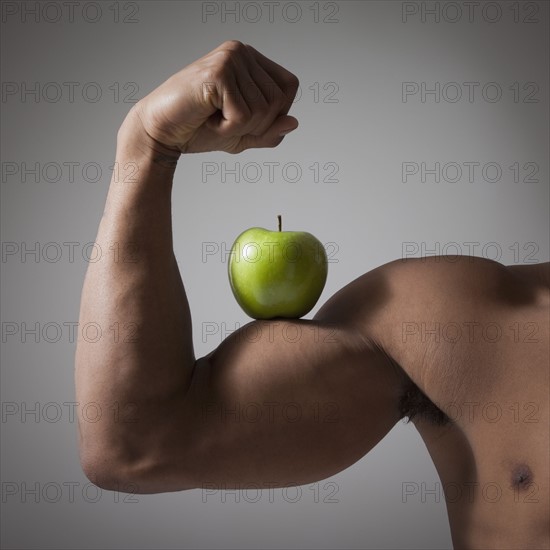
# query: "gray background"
x,y
359,61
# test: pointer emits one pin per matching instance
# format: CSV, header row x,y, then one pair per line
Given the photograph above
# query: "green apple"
x,y
277,273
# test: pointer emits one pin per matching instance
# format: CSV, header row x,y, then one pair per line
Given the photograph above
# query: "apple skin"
x,y
277,273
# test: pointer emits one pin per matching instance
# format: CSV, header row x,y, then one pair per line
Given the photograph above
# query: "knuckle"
x,y
235,46
231,51
225,60
214,75
293,82
224,57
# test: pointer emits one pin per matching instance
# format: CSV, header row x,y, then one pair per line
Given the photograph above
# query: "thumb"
x,y
274,135
283,125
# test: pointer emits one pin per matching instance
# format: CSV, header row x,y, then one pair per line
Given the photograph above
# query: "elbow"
x,y
142,474
107,474
111,472
139,460
98,475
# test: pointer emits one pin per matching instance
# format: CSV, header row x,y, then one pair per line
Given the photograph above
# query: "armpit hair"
x,y
414,404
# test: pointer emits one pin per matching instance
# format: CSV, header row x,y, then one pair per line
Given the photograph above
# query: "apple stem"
x,y
280,221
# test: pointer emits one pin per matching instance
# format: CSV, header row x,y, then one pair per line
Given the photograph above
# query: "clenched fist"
x,y
232,99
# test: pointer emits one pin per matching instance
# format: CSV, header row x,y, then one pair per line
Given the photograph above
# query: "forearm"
x,y
134,294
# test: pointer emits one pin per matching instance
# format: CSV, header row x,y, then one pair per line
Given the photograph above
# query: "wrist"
x,y
143,171
134,141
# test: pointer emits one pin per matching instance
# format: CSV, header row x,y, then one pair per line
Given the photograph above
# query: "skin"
x,y
165,424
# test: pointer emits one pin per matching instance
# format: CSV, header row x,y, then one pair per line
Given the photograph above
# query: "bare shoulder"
x,y
464,276
388,294
411,309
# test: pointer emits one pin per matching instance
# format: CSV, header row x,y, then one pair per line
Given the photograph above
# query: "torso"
x,y
492,457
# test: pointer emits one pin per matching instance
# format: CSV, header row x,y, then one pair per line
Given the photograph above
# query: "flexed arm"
x,y
163,425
